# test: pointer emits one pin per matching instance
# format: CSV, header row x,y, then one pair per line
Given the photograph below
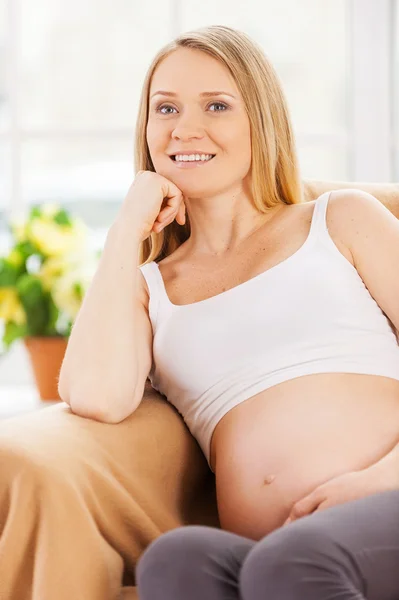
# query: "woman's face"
x,y
189,120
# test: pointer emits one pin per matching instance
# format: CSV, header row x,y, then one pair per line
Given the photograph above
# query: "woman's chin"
x,y
189,189
191,184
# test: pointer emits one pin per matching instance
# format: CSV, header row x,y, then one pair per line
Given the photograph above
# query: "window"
x,y
395,99
71,73
70,101
69,97
308,44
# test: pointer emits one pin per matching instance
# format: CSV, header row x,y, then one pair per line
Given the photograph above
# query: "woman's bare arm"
x,y
109,352
371,234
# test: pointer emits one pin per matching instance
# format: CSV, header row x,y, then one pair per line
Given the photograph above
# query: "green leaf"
x,y
62,218
68,329
35,211
35,302
13,332
26,248
8,273
53,317
78,290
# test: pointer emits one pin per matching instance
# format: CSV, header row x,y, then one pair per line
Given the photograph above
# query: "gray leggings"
x,y
349,551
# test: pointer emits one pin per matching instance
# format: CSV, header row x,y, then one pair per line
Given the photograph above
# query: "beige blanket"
x,y
80,500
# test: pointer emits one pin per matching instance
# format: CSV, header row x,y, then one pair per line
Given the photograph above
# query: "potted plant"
x,y
43,279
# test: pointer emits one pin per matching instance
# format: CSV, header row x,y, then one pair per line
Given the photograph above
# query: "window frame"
x,y
372,137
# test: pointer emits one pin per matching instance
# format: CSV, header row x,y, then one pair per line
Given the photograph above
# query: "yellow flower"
x,y
64,293
51,269
15,258
10,307
19,229
49,209
53,239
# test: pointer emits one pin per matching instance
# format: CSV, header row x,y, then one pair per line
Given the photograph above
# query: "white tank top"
x,y
311,313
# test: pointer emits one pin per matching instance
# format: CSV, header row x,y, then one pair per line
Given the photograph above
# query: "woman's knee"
x,y
178,546
283,558
167,558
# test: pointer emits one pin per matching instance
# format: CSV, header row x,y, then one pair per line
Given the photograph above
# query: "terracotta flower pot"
x,y
46,356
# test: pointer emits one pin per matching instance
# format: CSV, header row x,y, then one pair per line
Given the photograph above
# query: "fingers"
x,y
181,214
167,216
174,209
174,206
306,505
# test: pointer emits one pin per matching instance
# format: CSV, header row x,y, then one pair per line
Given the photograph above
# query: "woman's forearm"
x,y
99,368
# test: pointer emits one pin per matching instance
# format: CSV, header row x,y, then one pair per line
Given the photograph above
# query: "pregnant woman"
x,y
271,324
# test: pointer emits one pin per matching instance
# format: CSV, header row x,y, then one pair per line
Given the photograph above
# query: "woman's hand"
x,y
379,477
152,202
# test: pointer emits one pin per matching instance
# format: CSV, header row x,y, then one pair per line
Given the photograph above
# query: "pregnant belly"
x,y
279,445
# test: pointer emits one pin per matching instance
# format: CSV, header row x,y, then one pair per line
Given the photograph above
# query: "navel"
x,y
269,479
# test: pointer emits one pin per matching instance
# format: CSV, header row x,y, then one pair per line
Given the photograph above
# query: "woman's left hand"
x,y
378,477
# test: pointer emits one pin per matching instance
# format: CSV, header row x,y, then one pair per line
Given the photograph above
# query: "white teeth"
x,y
192,157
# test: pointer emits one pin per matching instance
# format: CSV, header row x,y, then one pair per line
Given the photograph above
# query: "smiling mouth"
x,y
173,157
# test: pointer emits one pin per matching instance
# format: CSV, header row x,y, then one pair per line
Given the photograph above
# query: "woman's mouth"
x,y
190,161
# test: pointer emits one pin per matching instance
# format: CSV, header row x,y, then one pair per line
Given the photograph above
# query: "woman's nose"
x,y
186,134
188,126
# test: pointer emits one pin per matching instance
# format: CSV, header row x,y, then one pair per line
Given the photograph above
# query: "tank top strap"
x,y
319,220
158,299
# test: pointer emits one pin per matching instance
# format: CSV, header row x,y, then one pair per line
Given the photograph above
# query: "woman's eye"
x,y
161,110
219,104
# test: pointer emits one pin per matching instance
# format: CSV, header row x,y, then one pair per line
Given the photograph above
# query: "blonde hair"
x,y
274,164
